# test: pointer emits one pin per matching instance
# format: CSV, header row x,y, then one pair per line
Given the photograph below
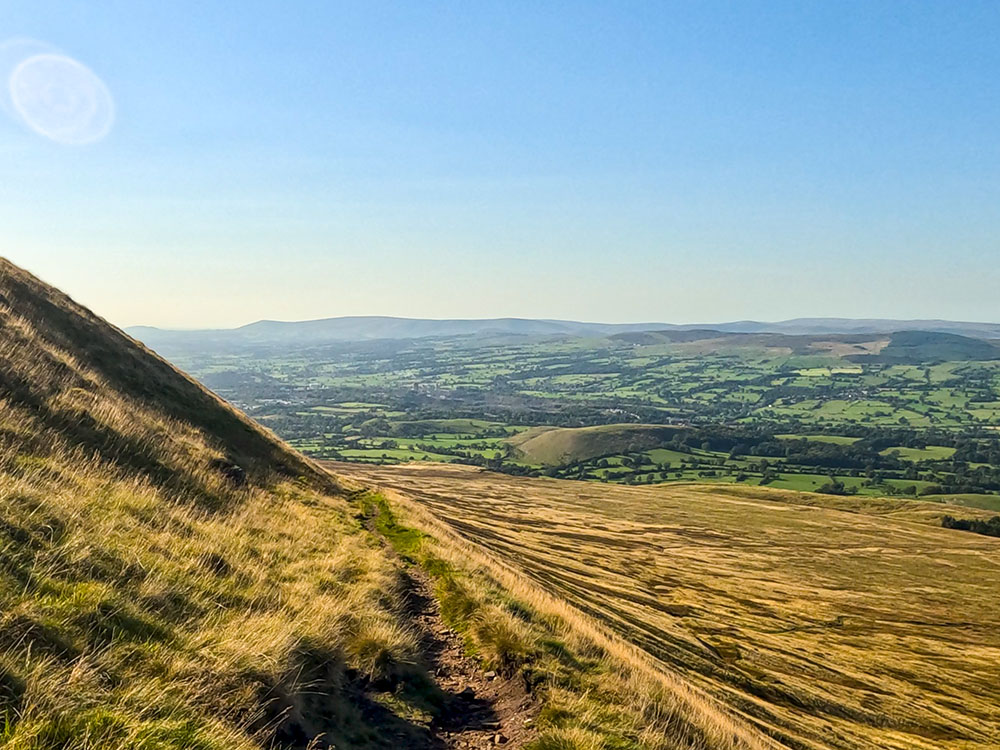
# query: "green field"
x,y
849,415
930,453
833,439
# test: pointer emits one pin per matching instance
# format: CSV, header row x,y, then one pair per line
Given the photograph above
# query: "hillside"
x,y
823,326
900,347
558,446
364,328
914,347
832,622
172,576
73,375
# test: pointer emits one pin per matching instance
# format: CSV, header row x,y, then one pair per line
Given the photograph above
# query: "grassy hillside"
x,y
557,446
833,622
925,346
80,378
172,576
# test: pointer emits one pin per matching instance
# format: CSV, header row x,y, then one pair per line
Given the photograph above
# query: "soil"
x,y
482,709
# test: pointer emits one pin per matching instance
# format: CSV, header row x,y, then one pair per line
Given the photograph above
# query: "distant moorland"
x,y
361,328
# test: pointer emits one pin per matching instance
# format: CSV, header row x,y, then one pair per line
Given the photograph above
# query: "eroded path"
x,y
481,709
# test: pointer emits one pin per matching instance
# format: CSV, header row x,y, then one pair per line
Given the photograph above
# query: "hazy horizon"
x,y
705,323
680,162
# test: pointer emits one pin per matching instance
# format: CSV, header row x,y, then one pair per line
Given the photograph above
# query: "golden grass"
x,y
129,619
597,689
150,598
841,627
147,598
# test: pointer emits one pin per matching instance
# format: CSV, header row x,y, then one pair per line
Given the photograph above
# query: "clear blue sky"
x,y
673,161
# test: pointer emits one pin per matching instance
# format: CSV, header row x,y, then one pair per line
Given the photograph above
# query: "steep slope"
x,y
60,360
172,576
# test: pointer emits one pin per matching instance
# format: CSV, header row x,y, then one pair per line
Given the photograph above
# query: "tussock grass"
x,y
224,629
151,596
597,691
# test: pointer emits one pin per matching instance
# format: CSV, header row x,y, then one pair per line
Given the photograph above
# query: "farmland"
x,y
832,622
875,415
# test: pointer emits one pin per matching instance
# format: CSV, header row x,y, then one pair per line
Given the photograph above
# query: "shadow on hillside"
x,y
375,721
132,370
81,430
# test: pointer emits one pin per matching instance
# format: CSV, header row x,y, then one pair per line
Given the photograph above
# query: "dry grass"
x,y
149,597
597,690
128,616
825,627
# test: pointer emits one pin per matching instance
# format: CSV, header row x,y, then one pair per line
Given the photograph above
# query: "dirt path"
x,y
482,709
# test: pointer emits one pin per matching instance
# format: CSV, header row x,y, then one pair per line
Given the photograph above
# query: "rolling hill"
x,y
911,347
898,347
362,328
559,446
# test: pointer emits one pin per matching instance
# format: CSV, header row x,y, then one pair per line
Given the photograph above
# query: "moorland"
x,y
829,622
175,577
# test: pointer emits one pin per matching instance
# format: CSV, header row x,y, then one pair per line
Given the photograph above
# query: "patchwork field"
x,y
876,416
833,622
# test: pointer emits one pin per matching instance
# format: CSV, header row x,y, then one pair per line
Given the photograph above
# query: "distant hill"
x,y
798,343
811,326
376,327
559,446
913,347
363,328
901,347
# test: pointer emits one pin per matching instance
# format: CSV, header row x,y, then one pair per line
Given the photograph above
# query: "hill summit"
x,y
72,382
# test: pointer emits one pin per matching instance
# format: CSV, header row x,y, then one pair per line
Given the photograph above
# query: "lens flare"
x,y
56,96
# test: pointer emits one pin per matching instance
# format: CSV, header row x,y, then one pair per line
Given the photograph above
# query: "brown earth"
x,y
482,709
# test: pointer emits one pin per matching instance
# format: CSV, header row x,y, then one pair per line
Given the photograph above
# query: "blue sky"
x,y
673,161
